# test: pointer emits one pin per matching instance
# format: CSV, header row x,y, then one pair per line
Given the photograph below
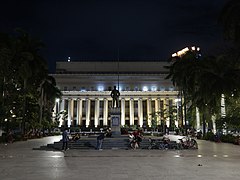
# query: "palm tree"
x,y
183,72
29,66
48,94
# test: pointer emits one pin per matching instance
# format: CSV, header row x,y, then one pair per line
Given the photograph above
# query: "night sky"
x,y
96,29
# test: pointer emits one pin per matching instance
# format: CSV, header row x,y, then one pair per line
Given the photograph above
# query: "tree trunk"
x,y
41,106
204,124
24,106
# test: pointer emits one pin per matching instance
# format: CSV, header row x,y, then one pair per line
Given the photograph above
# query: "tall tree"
x,y
48,94
183,72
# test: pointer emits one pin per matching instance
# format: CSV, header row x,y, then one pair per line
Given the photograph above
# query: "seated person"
x,y
166,141
76,137
108,132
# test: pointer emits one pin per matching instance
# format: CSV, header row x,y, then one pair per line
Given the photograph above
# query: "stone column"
x,y
166,106
131,111
96,114
62,106
88,108
79,111
140,112
55,109
149,111
105,112
175,112
122,111
70,112
157,109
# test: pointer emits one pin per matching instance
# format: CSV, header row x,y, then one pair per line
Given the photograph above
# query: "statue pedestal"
x,y
116,122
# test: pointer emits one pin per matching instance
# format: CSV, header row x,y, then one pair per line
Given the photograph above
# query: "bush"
x,y
2,139
228,138
124,130
209,136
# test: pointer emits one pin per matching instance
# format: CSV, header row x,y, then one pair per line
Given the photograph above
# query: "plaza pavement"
x,y
22,161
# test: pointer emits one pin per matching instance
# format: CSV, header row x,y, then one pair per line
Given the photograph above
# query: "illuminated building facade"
x,y
86,88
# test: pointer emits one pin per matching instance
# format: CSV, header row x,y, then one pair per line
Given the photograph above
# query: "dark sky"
x,y
96,29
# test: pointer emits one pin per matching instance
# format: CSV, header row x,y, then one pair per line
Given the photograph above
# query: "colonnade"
x,y
97,111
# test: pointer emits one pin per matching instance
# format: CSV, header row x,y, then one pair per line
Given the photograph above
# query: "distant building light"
x,y
120,88
174,54
186,49
154,88
145,88
177,100
100,88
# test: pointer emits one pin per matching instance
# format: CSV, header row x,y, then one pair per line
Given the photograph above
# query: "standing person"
x,y
65,140
10,136
100,139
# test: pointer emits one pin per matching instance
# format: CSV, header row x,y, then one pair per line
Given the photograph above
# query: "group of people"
x,y
135,139
101,137
66,139
76,137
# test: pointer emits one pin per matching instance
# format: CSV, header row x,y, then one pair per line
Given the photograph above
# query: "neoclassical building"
x,y
86,88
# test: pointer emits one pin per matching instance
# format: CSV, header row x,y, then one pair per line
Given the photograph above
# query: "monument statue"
x,y
115,95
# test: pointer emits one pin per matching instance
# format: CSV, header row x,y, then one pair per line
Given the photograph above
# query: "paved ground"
x,y
211,161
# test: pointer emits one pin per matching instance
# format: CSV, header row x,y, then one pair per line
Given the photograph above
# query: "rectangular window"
x,y
92,111
136,108
153,106
127,111
75,108
144,103
101,103
84,108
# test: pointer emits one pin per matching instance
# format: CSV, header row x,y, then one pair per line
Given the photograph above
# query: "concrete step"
x,y
90,143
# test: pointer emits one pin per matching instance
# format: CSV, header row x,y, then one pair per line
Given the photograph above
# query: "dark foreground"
x,y
22,160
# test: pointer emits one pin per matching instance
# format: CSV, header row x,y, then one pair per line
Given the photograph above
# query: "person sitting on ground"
x,y
108,132
166,142
138,136
76,137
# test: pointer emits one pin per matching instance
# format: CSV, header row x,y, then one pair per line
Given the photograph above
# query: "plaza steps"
x,y
90,143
